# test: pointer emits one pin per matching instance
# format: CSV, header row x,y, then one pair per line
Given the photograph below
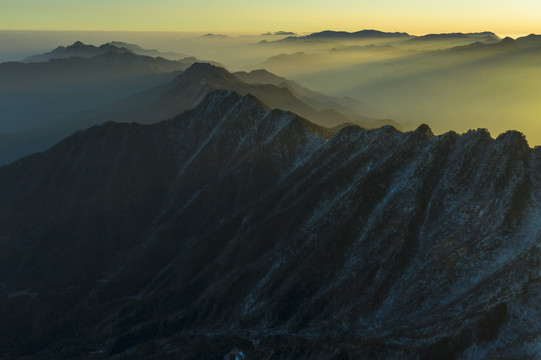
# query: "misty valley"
x,y
328,195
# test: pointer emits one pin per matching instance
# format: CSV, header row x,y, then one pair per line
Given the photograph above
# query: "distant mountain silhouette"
x,y
400,39
532,40
79,49
486,36
189,88
336,35
317,100
517,47
214,36
279,33
136,49
447,40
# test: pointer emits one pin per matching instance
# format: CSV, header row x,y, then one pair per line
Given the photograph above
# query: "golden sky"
x,y
413,16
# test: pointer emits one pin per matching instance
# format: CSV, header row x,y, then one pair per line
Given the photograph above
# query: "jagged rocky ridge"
x,y
236,226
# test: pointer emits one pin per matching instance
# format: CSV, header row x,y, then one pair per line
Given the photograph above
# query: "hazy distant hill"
x,y
149,52
77,78
345,105
530,40
317,100
79,49
185,92
487,35
448,40
279,33
344,35
214,36
404,39
451,81
189,88
36,93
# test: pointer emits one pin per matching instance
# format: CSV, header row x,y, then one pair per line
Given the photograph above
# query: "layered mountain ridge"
x,y
345,35
80,49
34,94
237,226
183,92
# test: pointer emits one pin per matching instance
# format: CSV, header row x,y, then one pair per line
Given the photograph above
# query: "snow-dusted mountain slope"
x,y
236,226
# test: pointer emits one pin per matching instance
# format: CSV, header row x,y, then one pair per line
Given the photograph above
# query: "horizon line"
x,y
261,33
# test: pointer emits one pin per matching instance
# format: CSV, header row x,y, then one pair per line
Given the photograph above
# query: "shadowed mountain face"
x,y
185,92
236,226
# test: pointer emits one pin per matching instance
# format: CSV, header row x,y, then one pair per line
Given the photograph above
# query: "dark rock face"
x,y
234,226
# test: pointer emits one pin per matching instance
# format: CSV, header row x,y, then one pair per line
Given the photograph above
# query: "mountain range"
x,y
236,226
184,92
76,78
79,49
159,209
404,40
37,93
344,35
455,80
